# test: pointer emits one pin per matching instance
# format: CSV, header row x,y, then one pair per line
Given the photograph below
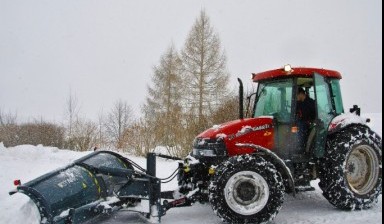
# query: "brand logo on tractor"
x,y
247,129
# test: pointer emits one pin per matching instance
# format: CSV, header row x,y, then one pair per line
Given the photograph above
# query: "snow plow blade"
x,y
98,183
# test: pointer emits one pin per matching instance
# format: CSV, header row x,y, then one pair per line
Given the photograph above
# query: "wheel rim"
x,y
246,192
362,169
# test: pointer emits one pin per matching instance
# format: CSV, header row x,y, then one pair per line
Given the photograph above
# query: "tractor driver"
x,y
305,115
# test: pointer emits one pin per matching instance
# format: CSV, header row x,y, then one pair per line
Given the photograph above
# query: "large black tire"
x,y
350,174
246,189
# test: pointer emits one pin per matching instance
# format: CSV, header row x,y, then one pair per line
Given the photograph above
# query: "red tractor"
x,y
244,167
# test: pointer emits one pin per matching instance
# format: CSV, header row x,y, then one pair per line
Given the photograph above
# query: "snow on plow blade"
x,y
83,190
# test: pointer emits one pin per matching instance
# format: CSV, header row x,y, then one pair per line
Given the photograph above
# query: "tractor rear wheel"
x,y
246,189
351,175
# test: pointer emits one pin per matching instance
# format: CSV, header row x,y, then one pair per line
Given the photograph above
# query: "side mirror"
x,y
355,109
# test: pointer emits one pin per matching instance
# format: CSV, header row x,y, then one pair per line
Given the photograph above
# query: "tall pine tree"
x,y
163,110
204,65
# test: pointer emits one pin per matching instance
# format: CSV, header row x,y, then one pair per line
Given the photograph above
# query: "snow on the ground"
x,y
27,162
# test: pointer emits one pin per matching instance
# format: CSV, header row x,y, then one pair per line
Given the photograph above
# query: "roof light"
x,y
288,69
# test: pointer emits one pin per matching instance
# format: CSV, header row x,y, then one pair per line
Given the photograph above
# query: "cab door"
x,y
325,113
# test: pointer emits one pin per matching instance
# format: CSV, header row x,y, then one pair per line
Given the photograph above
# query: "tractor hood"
x,y
257,131
237,128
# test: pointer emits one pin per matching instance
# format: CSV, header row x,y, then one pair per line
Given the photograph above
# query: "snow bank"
x,y
19,208
26,162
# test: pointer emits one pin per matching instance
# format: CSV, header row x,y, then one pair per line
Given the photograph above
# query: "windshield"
x,y
274,99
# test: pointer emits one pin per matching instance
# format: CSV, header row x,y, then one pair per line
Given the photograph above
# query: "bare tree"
x,y
117,122
163,107
7,118
101,137
139,137
84,134
71,113
8,128
227,111
206,76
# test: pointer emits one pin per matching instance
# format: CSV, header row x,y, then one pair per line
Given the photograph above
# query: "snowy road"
x,y
306,208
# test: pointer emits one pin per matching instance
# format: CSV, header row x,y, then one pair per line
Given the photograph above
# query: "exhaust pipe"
x,y
241,99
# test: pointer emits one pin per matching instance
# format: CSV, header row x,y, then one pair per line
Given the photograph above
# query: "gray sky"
x,y
104,51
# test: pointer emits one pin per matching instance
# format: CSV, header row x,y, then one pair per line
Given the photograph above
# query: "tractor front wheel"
x,y
246,189
351,175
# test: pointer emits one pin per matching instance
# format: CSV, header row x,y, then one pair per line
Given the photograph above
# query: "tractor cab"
x,y
276,96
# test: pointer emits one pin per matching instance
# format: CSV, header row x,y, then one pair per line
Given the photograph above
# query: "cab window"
x,y
275,99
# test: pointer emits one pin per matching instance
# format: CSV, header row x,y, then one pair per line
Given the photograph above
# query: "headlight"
x,y
208,147
203,152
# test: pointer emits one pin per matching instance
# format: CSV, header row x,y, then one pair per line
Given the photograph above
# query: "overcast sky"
x,y
104,51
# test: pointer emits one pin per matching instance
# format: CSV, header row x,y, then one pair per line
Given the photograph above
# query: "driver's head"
x,y
301,94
